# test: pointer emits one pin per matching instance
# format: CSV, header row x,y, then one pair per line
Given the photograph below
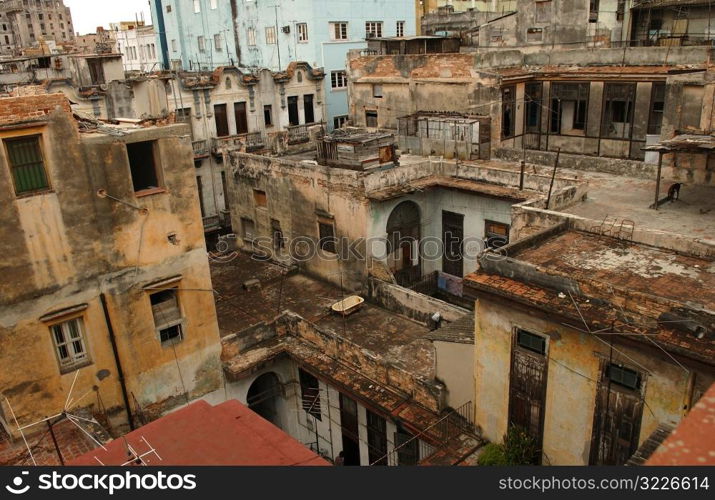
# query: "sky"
x,y
88,14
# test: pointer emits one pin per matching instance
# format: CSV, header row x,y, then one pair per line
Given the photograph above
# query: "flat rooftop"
x,y
615,196
396,338
631,266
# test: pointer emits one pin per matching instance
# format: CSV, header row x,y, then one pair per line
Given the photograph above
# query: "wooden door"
x,y
239,110
452,238
221,120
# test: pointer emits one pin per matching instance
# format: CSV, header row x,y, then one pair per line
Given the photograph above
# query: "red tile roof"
x,y
201,434
693,441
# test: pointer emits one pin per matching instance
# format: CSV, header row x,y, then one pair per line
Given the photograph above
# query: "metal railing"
x,y
298,134
201,148
251,140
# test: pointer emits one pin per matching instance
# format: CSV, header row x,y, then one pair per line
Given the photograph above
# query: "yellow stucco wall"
x,y
573,368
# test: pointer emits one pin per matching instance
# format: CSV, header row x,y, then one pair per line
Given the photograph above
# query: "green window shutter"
x,y
28,168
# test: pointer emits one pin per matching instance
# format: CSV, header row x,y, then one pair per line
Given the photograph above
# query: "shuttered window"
x,y
28,167
167,315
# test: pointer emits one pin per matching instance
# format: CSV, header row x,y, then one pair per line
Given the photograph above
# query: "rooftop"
x,y
601,282
201,434
390,335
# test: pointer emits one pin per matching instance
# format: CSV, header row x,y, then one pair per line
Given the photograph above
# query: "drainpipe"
x,y
120,372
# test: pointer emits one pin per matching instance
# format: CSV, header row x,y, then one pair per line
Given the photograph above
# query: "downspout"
x,y
120,372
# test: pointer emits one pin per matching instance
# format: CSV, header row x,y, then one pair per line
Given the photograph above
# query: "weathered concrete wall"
x,y
573,367
454,367
67,246
406,302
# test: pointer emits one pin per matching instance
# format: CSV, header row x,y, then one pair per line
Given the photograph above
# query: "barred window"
x,y
27,164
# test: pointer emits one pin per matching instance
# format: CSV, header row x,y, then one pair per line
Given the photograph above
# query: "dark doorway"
x,y
527,386
376,439
293,117
239,109
308,108
452,238
349,427
403,235
263,397
617,416
221,120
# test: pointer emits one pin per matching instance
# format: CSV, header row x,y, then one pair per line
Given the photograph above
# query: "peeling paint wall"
x,y
65,247
573,370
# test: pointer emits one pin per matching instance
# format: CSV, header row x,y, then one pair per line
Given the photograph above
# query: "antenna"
x,y
60,416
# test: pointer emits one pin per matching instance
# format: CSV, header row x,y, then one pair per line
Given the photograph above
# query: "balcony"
x,y
252,142
298,134
201,149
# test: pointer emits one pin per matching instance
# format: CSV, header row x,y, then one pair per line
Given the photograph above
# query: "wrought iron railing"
x,y
201,148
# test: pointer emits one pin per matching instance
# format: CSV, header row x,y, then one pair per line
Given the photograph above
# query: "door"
x,y
452,238
617,417
349,427
293,117
239,110
221,120
376,439
527,386
308,107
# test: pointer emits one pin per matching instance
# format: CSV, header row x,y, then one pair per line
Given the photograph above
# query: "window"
x,y
251,37
167,315
339,121
377,91
308,108
302,32
657,107
27,165
202,43
200,186
508,108
271,35
221,118
620,10
339,31
531,342
268,115
569,108
371,118
310,393
619,99
532,109
408,447
168,9
593,11
241,116
248,228
293,116
70,344
376,439
400,30
217,42
326,233
173,46
214,4
142,164
259,198
197,6
543,11
373,29
496,234
624,377
338,79
534,35
278,239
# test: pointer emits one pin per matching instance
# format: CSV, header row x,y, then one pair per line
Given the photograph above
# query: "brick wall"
x,y
31,108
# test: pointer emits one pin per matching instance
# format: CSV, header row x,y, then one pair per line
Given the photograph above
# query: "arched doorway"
x,y
263,397
403,236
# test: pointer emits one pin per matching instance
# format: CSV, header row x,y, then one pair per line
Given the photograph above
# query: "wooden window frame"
x,y
30,192
76,362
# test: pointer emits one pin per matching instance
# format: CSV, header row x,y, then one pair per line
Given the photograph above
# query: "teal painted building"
x,y
205,34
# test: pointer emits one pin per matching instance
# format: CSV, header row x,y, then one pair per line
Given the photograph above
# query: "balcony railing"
x,y
201,148
298,134
252,141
